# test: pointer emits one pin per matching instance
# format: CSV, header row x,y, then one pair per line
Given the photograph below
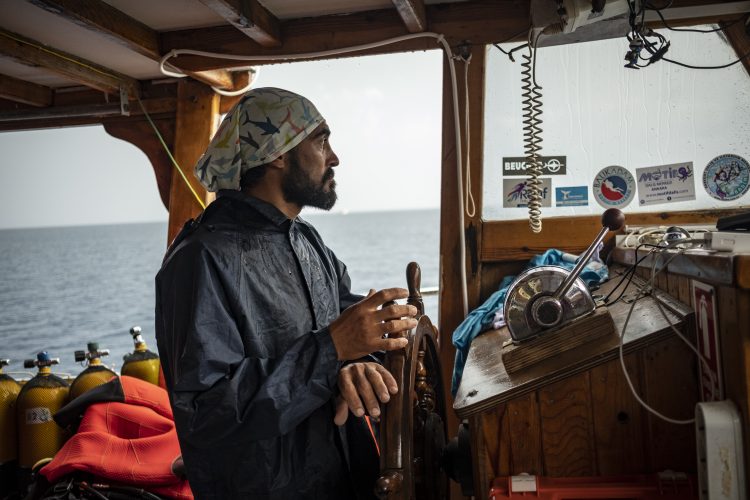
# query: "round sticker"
x,y
727,177
614,187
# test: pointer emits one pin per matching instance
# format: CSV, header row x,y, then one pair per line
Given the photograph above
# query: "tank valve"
x,y
42,360
93,352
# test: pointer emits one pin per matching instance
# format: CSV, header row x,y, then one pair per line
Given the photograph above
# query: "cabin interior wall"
x,y
734,343
590,423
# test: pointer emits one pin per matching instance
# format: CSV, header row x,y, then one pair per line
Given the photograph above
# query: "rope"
x,y
169,153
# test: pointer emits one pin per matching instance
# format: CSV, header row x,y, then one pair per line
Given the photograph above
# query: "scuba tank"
x,y
40,398
141,363
9,390
95,374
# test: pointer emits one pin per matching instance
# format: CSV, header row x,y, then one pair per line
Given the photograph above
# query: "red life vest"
x,y
127,437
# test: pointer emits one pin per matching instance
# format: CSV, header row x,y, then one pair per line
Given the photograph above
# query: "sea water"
x,y
63,287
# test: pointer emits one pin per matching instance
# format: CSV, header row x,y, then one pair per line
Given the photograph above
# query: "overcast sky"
x,y
384,113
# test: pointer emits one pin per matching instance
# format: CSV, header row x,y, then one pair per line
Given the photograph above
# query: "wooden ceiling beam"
x,y
25,92
103,19
63,116
32,53
738,34
478,21
251,18
413,14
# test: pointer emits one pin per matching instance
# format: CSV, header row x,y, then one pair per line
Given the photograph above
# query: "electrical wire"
x,y
741,58
358,48
509,53
628,274
640,37
658,10
531,104
642,292
510,39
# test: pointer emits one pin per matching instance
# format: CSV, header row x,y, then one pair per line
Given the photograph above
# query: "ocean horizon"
x,y
65,286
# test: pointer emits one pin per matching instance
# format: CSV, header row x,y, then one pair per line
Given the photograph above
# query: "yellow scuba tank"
x,y
141,363
9,390
95,374
40,398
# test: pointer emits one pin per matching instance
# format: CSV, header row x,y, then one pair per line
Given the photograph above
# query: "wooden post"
x,y
197,112
451,310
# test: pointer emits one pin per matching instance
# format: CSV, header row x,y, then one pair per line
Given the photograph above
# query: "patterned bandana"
x,y
266,123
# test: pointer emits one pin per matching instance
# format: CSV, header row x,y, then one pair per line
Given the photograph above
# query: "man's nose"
x,y
333,160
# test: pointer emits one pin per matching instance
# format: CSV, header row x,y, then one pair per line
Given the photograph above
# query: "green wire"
x,y
169,153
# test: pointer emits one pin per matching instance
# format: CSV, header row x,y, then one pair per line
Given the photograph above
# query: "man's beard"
x,y
298,188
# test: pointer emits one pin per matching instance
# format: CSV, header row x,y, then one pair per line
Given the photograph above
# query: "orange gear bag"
x,y
126,436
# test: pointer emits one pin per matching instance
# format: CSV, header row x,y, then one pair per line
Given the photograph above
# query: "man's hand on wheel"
x,y
362,385
360,330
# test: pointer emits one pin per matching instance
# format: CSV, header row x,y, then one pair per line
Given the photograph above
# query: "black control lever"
x,y
547,310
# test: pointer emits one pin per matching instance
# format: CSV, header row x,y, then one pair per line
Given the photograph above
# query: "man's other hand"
x,y
361,386
360,328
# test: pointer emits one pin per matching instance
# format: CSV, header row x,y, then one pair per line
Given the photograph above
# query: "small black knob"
x,y
613,219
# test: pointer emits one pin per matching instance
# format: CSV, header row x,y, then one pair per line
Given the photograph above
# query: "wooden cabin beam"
x,y
451,310
105,20
141,135
85,106
413,14
738,34
32,53
250,18
479,21
93,112
25,92
513,240
197,114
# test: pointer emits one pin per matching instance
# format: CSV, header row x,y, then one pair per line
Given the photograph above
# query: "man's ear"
x,y
278,163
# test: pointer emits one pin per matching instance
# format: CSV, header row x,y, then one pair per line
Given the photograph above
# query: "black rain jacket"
x,y
243,303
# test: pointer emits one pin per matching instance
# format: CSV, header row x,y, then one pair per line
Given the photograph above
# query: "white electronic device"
x,y
729,241
721,462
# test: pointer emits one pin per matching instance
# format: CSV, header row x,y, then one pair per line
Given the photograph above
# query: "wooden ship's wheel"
x,y
412,428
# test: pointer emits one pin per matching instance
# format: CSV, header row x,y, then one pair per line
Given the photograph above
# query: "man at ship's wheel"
x,y
262,342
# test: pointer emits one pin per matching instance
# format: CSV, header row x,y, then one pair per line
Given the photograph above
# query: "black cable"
x,y
639,39
691,30
708,67
510,52
631,272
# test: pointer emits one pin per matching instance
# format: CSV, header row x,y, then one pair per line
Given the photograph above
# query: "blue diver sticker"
x,y
614,187
572,196
727,177
516,192
665,184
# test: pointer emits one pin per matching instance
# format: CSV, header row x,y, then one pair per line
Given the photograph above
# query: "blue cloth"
x,y
483,317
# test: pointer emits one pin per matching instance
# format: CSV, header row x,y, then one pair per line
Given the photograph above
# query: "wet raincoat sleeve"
x,y
221,379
